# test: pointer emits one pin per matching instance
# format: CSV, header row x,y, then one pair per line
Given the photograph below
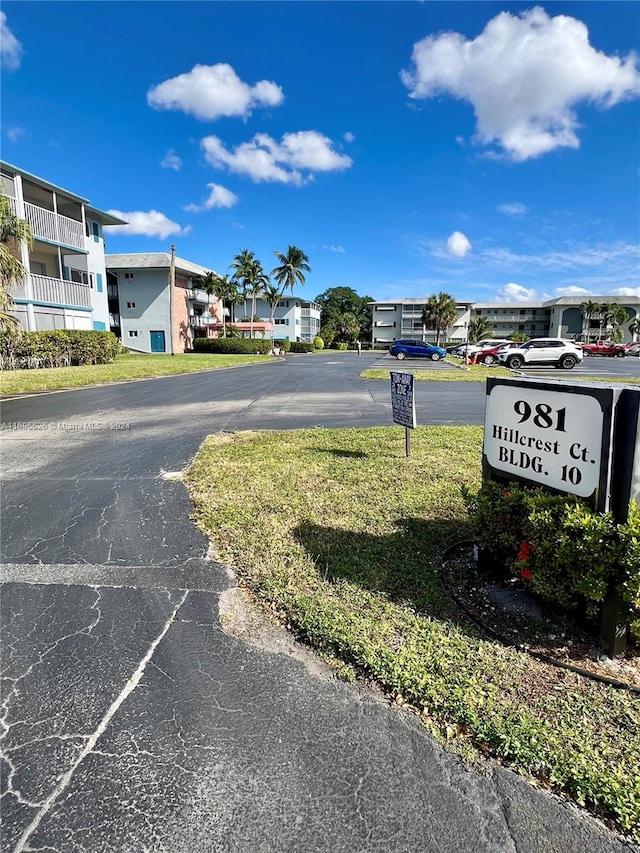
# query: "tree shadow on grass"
x,y
404,566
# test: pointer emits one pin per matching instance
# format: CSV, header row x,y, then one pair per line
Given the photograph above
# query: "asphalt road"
x,y
133,722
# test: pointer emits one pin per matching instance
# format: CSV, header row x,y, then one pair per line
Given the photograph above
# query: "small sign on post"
x,y
403,404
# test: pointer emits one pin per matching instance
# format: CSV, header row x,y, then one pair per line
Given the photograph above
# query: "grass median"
x,y
127,366
479,373
342,537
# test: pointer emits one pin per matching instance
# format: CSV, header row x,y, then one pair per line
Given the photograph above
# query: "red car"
x,y
604,348
490,356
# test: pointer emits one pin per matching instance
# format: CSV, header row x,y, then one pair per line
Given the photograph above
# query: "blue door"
x,y
157,341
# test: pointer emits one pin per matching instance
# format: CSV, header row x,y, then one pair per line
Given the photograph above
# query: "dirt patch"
x,y
510,611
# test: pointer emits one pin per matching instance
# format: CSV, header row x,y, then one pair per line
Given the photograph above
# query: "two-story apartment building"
x,y
141,311
559,317
65,286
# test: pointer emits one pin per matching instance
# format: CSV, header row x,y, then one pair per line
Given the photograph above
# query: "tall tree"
x,y
615,316
13,233
588,309
293,266
338,301
349,326
251,277
224,289
479,327
440,312
271,295
634,327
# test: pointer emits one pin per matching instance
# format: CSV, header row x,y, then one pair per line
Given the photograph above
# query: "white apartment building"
x,y
65,287
294,319
140,310
559,317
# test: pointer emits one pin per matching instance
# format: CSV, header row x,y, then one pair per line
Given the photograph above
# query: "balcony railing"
x,y
516,318
53,227
58,291
204,320
197,295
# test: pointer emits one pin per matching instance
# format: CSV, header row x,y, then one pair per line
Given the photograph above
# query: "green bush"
x,y
318,343
58,348
284,344
233,346
301,346
339,345
568,553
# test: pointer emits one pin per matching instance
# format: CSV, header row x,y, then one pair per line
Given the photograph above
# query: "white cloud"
x,y
458,244
515,293
338,249
211,91
151,223
348,137
626,291
219,196
264,159
14,133
10,47
524,77
171,161
571,290
513,209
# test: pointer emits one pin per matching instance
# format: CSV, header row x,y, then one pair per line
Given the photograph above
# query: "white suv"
x,y
551,351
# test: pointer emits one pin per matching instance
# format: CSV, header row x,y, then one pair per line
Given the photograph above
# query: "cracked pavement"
x,y
133,721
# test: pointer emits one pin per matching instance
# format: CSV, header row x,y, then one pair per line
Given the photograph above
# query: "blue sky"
x,y
486,149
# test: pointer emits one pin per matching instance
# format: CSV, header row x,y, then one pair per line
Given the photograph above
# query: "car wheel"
x,y
621,354
435,356
568,362
514,362
586,353
489,359
400,356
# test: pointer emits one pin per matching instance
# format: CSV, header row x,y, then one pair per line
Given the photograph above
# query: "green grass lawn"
x,y
342,537
128,366
478,373
475,373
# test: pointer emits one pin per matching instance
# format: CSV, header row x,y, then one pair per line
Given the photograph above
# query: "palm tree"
x,y
249,274
292,268
439,313
634,327
13,233
615,316
223,289
349,326
271,295
479,327
588,309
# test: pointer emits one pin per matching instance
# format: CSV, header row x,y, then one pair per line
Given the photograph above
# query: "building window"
x,y
131,304
37,268
281,322
128,275
133,334
521,327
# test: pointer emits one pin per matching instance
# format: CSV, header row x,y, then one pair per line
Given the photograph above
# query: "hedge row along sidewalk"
x,y
345,548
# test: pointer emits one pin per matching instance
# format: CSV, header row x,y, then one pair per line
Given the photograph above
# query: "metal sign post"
x,y
403,405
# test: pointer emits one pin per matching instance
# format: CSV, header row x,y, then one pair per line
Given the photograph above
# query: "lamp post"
x,y
172,285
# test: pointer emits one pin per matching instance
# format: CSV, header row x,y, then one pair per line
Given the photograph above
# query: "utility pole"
x,y
172,286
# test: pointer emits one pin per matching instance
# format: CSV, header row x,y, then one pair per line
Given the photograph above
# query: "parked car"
x,y
540,351
490,354
404,348
604,348
486,343
634,350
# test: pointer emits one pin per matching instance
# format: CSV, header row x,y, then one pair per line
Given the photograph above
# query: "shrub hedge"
x,y
569,554
283,343
318,343
233,346
301,346
59,348
339,345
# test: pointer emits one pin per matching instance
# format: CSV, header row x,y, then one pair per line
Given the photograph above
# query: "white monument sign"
x,y
547,434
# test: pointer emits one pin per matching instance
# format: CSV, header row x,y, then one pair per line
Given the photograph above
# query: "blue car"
x,y
416,349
